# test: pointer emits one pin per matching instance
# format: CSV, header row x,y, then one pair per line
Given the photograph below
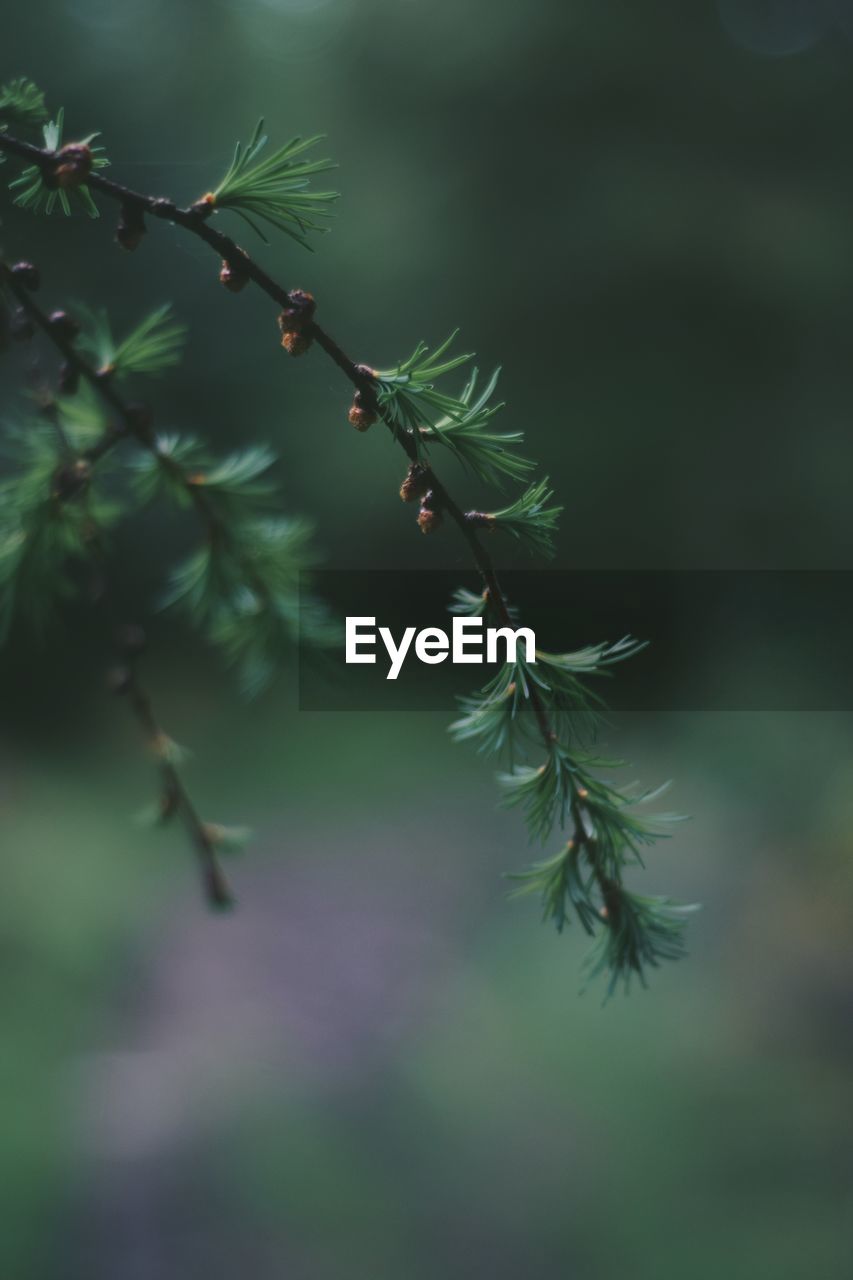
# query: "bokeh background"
x,y
377,1067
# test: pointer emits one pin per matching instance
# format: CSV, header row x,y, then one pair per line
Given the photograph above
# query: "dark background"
x,y
377,1067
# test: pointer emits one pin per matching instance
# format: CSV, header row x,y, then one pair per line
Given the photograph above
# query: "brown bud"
x,y
131,227
130,640
361,419
361,415
119,680
415,483
64,325
428,520
27,274
205,206
295,343
233,275
73,165
299,313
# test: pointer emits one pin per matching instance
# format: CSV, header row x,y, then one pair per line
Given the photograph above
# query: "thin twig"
x,y
175,797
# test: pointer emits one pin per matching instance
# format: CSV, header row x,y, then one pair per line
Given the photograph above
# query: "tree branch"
x,y
135,420
195,220
175,799
638,931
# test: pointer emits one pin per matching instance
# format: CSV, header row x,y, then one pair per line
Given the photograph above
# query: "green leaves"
x,y
183,469
544,793
469,604
22,105
408,392
609,830
640,933
164,468
635,932
574,709
464,428
275,190
242,475
73,164
489,717
244,595
410,398
52,514
82,416
245,587
562,882
585,878
530,519
152,347
501,713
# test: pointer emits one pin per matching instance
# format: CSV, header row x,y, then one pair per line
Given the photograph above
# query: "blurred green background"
x,y
376,1067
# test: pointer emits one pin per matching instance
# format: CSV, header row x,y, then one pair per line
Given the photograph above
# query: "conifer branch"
x,y
263,605
63,493
67,519
606,835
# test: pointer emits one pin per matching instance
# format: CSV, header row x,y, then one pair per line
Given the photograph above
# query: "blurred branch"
x,y
175,801
70,485
134,419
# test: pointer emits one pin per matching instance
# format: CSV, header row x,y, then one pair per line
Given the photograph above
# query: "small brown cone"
x,y
360,415
233,276
295,343
415,483
360,418
73,165
295,317
428,520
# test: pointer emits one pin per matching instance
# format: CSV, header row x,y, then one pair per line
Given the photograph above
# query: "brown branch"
x,y
300,328
195,219
175,799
